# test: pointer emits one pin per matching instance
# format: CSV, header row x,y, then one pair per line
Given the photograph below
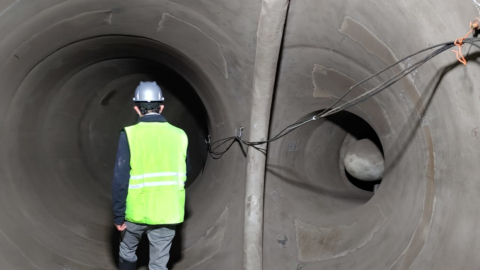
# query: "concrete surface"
x,y
68,70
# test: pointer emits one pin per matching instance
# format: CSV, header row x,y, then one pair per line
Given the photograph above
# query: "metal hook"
x,y
239,132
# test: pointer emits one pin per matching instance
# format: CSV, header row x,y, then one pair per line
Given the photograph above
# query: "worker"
x,y
148,186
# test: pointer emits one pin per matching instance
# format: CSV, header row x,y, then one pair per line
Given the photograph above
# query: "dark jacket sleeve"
x,y
189,166
121,178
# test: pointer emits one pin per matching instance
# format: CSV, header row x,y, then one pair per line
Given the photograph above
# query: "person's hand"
x,y
121,228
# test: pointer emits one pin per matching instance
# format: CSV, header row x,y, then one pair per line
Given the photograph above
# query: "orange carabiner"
x,y
459,42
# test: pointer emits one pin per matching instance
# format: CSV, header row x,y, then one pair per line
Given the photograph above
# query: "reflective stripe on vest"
x,y
153,184
156,193
150,175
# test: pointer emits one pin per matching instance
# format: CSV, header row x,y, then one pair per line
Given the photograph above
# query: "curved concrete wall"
x,y
68,69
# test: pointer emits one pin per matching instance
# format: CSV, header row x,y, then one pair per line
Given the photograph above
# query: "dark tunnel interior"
x,y
357,129
87,99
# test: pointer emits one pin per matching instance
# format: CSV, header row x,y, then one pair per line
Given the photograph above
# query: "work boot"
x,y
126,265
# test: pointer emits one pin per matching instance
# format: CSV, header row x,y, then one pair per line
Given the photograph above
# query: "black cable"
x,y
332,109
446,46
279,135
386,84
217,155
383,70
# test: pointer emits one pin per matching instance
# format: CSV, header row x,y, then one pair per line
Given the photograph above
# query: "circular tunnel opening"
x,y
311,159
82,95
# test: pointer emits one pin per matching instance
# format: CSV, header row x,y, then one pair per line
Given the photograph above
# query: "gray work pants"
x,y
160,237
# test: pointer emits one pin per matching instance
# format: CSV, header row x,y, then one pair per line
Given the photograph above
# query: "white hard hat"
x,y
148,92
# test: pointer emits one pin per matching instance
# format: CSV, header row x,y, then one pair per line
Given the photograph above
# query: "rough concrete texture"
x,y
68,70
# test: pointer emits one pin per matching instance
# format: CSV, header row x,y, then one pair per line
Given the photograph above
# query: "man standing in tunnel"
x,y
149,177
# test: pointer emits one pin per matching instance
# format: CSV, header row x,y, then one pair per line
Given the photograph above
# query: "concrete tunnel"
x,y
68,72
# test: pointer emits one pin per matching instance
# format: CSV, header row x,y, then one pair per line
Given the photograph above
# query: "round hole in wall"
x,y
361,154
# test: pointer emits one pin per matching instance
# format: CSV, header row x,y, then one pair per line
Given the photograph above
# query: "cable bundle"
x,y
335,108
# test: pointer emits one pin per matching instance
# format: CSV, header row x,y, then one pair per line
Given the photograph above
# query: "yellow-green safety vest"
x,y
156,192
